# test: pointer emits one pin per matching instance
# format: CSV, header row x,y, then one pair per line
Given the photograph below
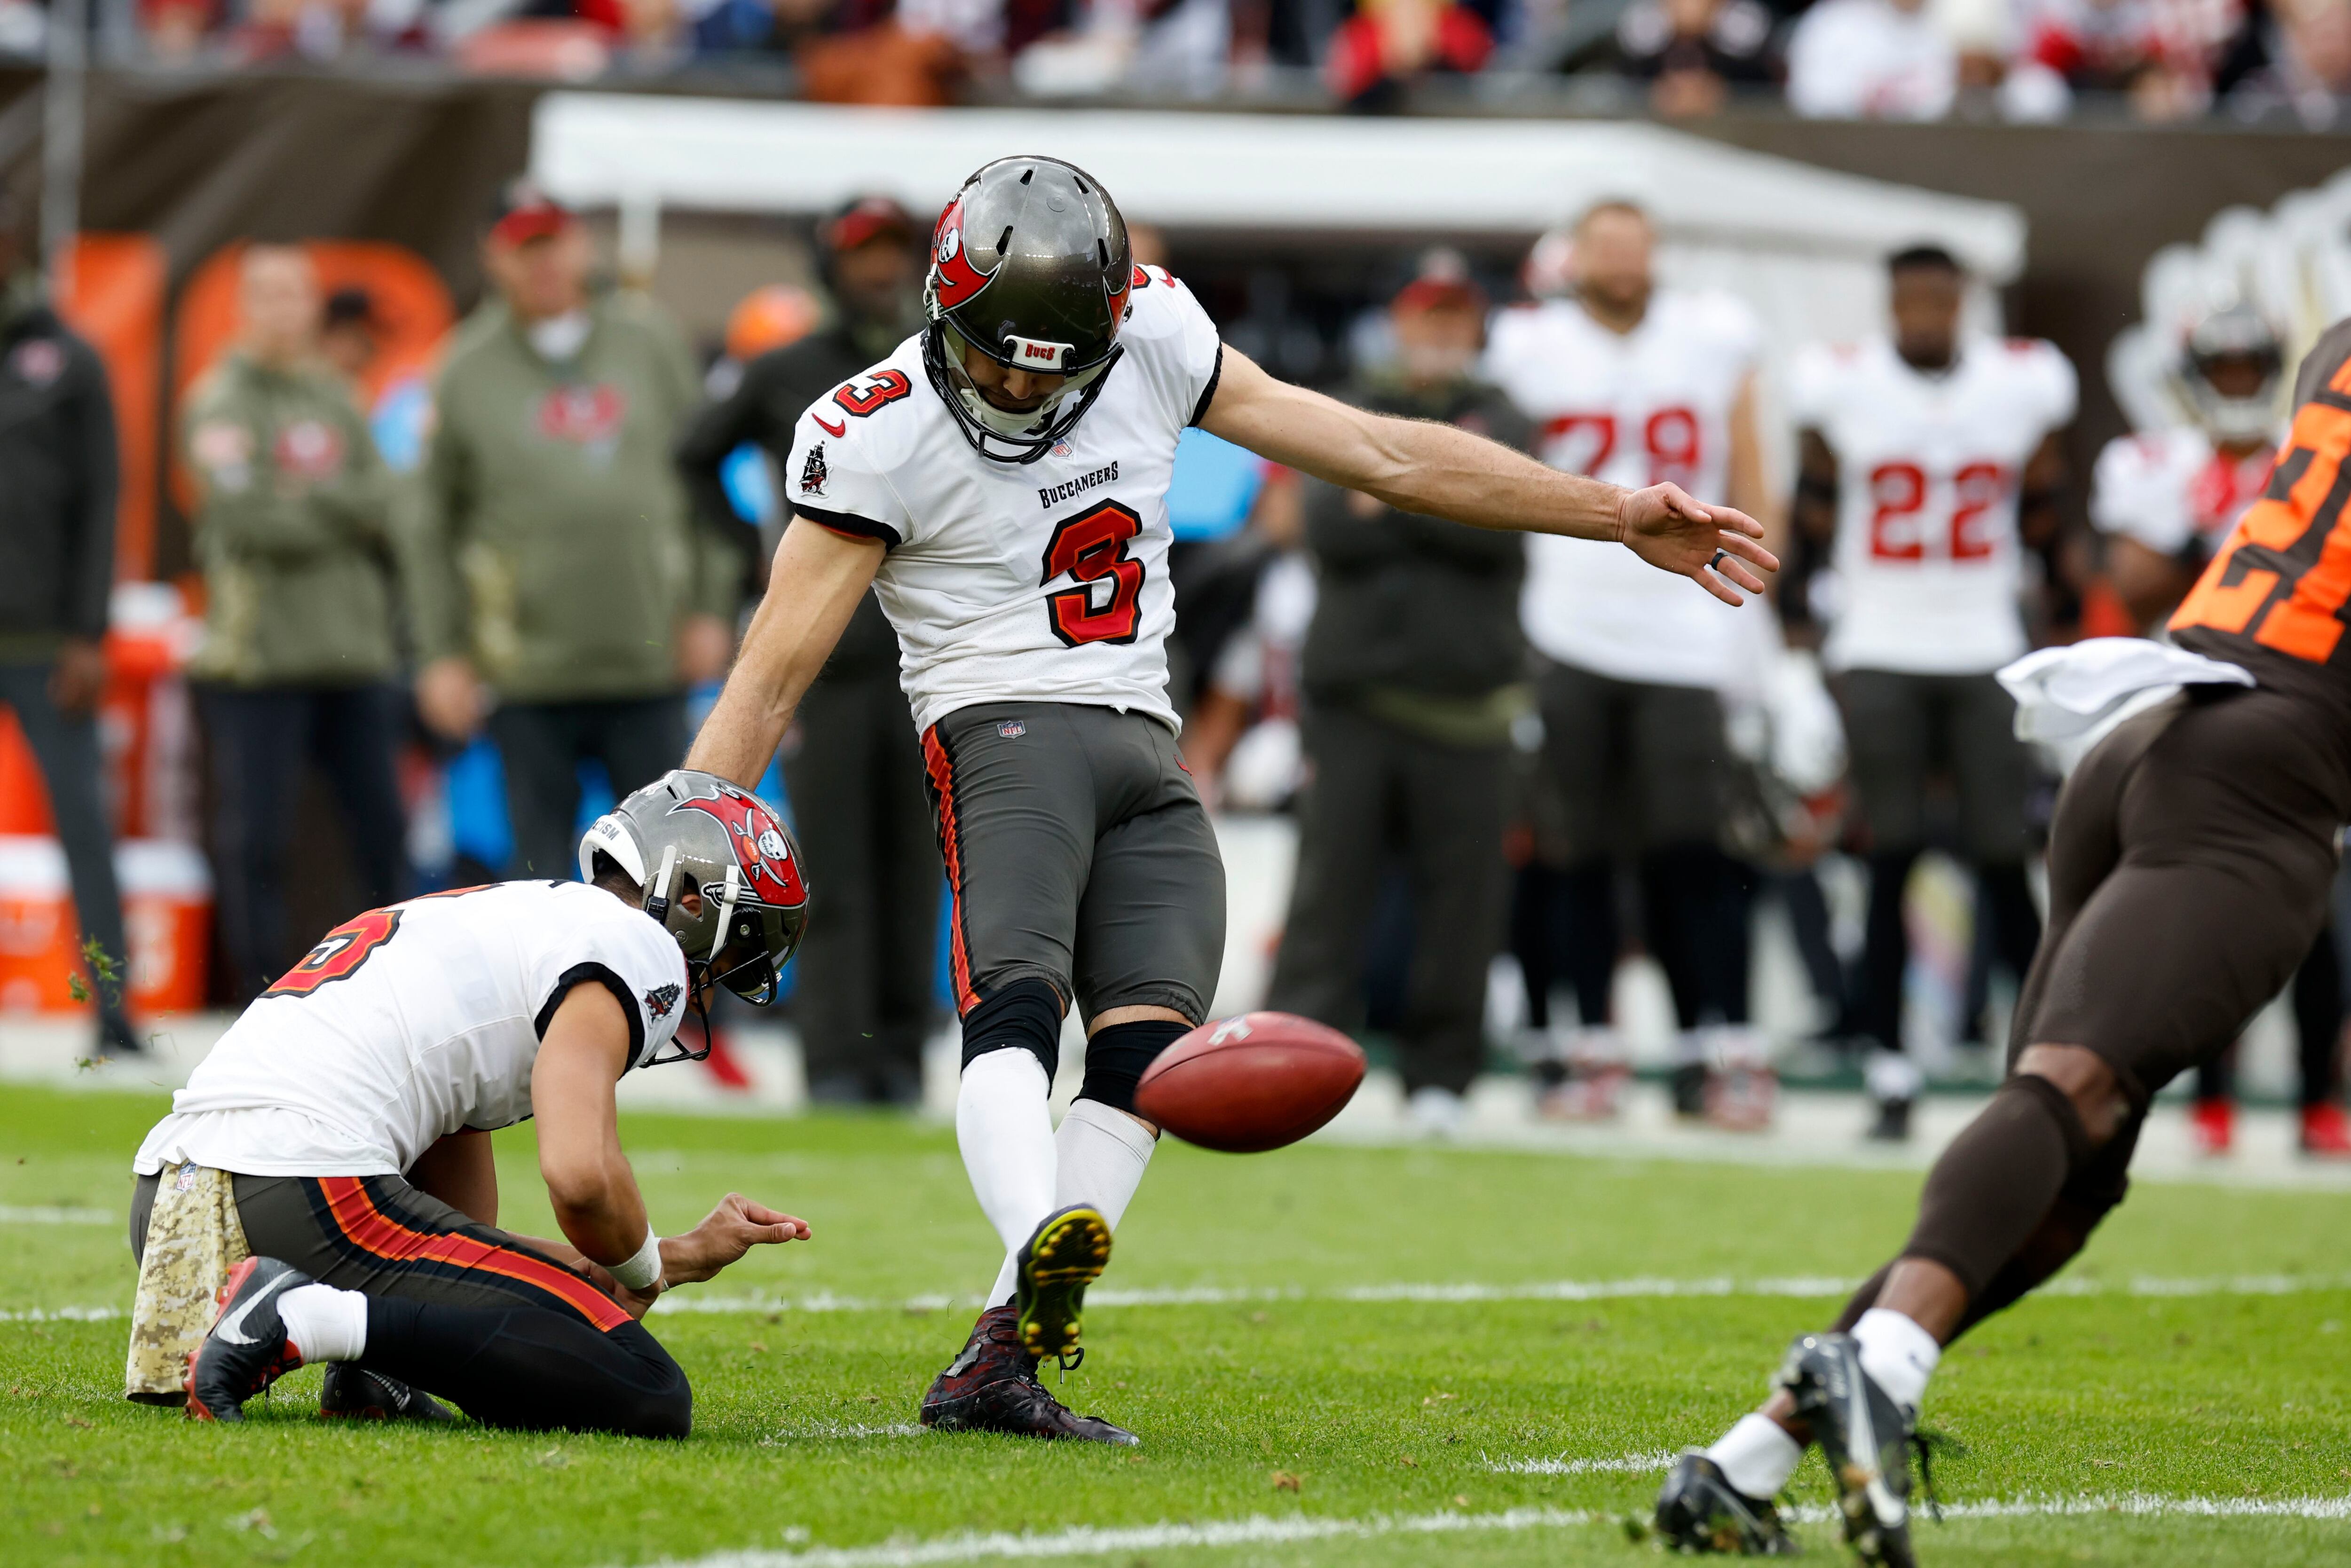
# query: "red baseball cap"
x,y
1441,279
525,213
869,218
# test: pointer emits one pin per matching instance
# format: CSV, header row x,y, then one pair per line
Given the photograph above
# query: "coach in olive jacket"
x,y
1411,673
293,529
559,561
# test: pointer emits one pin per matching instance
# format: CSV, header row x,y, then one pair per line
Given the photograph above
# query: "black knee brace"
x,y
1027,1014
1990,1189
1118,1056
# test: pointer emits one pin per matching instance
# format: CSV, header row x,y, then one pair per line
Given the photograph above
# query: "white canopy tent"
x,y
1802,245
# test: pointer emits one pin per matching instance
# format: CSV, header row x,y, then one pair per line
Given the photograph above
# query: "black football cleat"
x,y
1865,1437
353,1393
1700,1511
1068,1252
246,1349
992,1387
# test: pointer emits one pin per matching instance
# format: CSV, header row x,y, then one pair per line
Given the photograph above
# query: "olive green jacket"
x,y
293,529
555,545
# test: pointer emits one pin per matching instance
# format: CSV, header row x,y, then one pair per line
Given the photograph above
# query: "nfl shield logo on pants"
x,y
1012,729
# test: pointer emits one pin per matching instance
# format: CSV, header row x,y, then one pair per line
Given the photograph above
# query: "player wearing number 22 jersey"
x,y
1000,483
1922,449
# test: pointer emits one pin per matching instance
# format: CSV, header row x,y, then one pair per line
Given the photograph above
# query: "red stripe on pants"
x,y
355,1214
941,772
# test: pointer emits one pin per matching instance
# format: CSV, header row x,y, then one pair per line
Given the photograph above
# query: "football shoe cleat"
x,y
2326,1132
1700,1511
246,1349
2213,1123
353,1393
1865,1437
1066,1251
992,1387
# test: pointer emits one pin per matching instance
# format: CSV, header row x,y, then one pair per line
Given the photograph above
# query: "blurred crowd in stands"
x,y
2285,61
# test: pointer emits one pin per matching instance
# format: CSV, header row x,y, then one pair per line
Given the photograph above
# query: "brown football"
x,y
1252,1082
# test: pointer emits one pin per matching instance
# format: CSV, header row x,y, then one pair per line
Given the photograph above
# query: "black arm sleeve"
x,y
90,570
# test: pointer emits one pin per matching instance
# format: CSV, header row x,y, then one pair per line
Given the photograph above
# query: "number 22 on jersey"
x,y
1904,527
1091,549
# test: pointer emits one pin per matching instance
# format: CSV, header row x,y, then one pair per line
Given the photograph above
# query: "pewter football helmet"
x,y
694,832
1030,266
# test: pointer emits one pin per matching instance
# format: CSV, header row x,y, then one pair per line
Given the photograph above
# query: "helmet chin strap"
x,y
657,905
725,913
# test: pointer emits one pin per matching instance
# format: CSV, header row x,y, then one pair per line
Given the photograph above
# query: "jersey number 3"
x,y
1091,548
338,954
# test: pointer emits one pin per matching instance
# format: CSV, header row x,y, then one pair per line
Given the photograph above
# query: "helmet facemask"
x,y
1029,434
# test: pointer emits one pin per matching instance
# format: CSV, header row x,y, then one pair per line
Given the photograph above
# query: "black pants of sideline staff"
x,y
66,746
260,737
865,995
1378,794
543,746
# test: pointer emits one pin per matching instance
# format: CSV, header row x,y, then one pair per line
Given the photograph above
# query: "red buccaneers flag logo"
x,y
769,872
952,276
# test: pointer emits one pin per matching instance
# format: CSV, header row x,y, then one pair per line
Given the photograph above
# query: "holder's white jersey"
x,y
2171,489
1635,409
413,1023
1045,582
1928,557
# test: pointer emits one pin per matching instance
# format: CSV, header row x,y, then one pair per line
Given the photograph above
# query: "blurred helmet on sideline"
x,y
2231,375
771,317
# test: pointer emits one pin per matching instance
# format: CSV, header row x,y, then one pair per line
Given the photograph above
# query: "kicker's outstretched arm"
x,y
1440,471
812,590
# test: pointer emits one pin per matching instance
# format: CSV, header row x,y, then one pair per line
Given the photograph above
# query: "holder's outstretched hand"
x,y
1665,528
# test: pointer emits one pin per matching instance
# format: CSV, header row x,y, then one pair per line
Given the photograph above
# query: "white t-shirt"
x,y
1635,409
413,1023
1928,557
2170,488
1045,581
1867,59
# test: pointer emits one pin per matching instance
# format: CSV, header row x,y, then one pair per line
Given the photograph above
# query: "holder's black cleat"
x,y
353,1393
246,1349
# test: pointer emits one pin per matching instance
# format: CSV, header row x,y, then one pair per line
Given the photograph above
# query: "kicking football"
x,y
701,705
1250,1083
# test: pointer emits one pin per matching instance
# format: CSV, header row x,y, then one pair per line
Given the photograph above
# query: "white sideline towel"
x,y
2068,698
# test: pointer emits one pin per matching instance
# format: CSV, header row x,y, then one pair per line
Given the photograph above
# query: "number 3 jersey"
x,y
1635,409
1044,581
1928,557
413,1023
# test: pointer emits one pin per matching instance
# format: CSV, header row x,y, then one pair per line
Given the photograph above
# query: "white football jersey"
x,y
413,1023
2170,490
1635,409
1044,581
1928,557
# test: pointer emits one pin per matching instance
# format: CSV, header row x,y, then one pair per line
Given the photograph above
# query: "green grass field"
x,y
2210,1424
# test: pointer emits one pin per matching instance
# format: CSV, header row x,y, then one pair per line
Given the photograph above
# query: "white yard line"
x,y
1092,1541
1455,1292
1621,1465
51,1214
1470,1293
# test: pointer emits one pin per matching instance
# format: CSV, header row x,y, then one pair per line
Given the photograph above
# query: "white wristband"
x,y
644,1269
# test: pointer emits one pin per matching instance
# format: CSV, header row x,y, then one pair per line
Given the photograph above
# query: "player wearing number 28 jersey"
x,y
1000,482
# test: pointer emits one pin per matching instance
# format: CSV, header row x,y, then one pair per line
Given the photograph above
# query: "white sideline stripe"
x,y
1800,1288
50,1214
1091,1541
1623,1464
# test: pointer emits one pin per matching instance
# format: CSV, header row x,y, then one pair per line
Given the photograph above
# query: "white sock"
x,y
1757,1456
1898,1354
325,1324
1103,1153
1006,1132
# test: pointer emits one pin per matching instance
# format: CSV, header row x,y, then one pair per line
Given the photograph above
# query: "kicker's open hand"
x,y
1665,528
728,1231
